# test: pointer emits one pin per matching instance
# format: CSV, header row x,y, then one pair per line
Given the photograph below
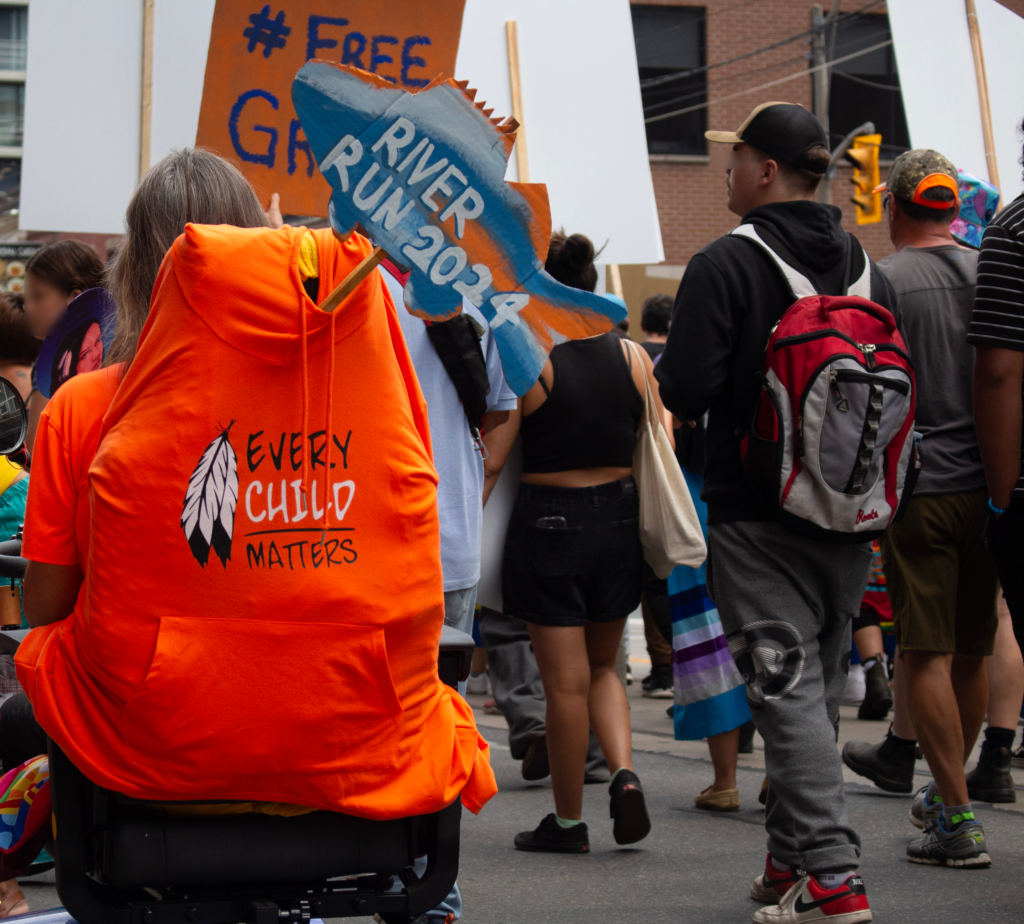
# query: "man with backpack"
x,y
939,573
786,597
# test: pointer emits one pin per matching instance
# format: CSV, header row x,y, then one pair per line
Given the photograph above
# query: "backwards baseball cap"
x,y
784,131
923,177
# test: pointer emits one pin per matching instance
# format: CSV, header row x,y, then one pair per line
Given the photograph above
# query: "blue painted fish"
x,y
423,174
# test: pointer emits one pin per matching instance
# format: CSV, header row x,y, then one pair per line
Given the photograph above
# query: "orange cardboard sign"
x,y
256,48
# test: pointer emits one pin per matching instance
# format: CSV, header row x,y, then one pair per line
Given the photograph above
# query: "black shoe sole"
x,y
531,846
991,795
880,781
632,823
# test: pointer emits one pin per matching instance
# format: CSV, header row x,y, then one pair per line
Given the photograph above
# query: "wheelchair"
x,y
121,860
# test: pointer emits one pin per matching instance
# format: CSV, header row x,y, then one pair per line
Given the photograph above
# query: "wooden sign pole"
x,y
349,283
146,113
983,101
522,162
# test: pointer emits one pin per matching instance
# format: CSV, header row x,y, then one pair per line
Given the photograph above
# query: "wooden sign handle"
x,y
352,280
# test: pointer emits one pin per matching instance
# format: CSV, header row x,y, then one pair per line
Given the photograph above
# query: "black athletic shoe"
x,y
877,696
747,738
659,683
550,837
991,781
628,808
889,765
535,762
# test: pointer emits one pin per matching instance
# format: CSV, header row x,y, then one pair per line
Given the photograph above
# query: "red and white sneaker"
x,y
808,901
772,884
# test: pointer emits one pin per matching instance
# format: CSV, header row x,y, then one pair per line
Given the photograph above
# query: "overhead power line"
x,y
771,83
668,78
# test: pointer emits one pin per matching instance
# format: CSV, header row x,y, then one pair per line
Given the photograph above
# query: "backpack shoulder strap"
x,y
862,285
799,284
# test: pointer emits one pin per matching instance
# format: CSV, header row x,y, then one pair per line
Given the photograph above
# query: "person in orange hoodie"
x,y
152,675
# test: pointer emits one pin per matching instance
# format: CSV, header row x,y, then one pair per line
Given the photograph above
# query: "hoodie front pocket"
x,y
245,696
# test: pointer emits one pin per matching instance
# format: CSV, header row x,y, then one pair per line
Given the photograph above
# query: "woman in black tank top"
x,y
572,567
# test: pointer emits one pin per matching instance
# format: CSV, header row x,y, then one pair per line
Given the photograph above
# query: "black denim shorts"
x,y
587,569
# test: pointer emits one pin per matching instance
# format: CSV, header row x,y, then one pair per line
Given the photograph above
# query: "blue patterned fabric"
x,y
709,693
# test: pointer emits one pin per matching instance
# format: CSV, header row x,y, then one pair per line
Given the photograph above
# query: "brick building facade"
x,y
690,188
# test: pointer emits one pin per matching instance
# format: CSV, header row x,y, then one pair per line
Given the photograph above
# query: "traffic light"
x,y
863,154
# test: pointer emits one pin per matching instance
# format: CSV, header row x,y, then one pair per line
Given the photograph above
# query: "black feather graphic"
x,y
208,512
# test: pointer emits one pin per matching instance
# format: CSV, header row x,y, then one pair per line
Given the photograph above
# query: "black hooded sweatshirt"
x,y
730,298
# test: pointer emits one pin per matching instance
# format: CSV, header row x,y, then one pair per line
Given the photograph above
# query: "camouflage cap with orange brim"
x,y
924,177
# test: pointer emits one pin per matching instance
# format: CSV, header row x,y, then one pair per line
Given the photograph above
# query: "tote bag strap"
x,y
649,411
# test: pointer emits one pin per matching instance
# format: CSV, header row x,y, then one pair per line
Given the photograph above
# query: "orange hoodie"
x,y
263,596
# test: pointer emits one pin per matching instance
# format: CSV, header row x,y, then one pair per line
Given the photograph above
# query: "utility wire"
x,y
772,83
868,83
668,78
734,77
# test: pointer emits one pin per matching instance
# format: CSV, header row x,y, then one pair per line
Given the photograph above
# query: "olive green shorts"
x,y
940,576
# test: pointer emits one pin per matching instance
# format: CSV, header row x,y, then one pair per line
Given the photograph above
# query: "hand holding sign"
x,y
423,173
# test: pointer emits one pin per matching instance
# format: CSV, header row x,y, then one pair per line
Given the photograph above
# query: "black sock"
x,y
998,738
901,742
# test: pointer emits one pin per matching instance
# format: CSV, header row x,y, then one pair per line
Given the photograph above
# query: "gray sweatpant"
x,y
786,605
518,689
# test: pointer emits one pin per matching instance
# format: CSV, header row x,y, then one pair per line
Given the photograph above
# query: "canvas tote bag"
x,y
670,532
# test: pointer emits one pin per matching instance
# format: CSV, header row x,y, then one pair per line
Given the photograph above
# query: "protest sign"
x,y
423,173
256,48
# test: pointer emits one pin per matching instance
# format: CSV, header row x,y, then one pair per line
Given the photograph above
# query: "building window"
x,y
670,47
13,37
866,88
12,114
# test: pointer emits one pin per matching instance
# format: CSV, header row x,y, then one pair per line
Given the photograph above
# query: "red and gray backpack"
x,y
832,439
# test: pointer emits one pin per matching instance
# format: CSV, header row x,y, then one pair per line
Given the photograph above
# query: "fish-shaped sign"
x,y
423,174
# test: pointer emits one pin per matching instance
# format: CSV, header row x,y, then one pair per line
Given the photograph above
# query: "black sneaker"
x,y
550,837
659,683
628,808
877,696
1018,757
889,765
535,762
991,781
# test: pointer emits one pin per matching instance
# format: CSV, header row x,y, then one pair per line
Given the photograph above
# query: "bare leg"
x,y
970,684
868,641
933,681
724,749
608,708
479,660
565,670
1005,674
902,726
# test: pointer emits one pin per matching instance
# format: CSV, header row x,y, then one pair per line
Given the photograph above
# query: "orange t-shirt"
x,y
234,640
57,511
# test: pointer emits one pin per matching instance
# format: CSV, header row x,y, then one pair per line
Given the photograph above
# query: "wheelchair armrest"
x,y
455,656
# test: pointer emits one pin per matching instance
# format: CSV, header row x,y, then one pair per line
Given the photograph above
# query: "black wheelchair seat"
x,y
126,861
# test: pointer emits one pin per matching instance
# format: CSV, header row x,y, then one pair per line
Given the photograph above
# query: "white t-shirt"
x,y
460,467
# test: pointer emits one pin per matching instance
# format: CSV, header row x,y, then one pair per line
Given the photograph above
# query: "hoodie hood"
x,y
255,271
809,236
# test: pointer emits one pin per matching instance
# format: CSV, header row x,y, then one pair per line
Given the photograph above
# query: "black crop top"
x,y
590,417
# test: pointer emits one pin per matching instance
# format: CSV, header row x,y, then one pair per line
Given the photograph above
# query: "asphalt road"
x,y
697,866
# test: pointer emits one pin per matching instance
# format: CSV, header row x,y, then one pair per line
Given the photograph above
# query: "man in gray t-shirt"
x,y
935,286
939,574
